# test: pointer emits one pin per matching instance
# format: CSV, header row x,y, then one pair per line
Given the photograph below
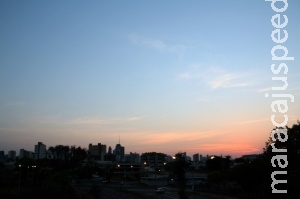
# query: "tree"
x,y
77,154
254,176
292,145
218,163
179,168
108,172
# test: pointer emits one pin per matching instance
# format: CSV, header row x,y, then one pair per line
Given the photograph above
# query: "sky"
x,y
163,76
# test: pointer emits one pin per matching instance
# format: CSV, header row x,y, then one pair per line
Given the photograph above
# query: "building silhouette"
x,y
154,160
40,151
25,154
119,152
97,152
132,158
11,155
2,156
109,156
196,157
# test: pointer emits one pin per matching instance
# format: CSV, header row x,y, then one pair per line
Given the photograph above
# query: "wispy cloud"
x,y
203,99
176,137
294,88
185,75
190,75
290,89
101,121
14,104
226,81
231,148
264,90
216,78
250,121
157,44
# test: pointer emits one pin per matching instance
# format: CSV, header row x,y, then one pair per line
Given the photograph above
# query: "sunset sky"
x,y
165,76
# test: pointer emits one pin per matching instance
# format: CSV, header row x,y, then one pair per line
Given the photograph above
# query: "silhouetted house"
x,y
97,151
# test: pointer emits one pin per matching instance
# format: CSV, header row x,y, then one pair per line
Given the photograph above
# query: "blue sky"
x,y
166,76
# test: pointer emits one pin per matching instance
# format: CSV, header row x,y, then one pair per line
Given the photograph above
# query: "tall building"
x,y
196,157
109,150
25,154
40,151
2,156
97,151
119,152
11,155
109,156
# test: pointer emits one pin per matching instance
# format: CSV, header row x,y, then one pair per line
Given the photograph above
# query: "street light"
x,y
27,177
20,166
33,175
33,168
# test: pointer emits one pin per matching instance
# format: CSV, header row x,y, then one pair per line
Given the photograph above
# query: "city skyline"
x,y
165,76
33,154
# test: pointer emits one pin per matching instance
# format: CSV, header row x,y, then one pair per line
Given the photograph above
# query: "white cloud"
x,y
221,81
159,45
228,80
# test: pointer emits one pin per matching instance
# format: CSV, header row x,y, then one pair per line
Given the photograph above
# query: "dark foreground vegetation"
x,y
245,178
